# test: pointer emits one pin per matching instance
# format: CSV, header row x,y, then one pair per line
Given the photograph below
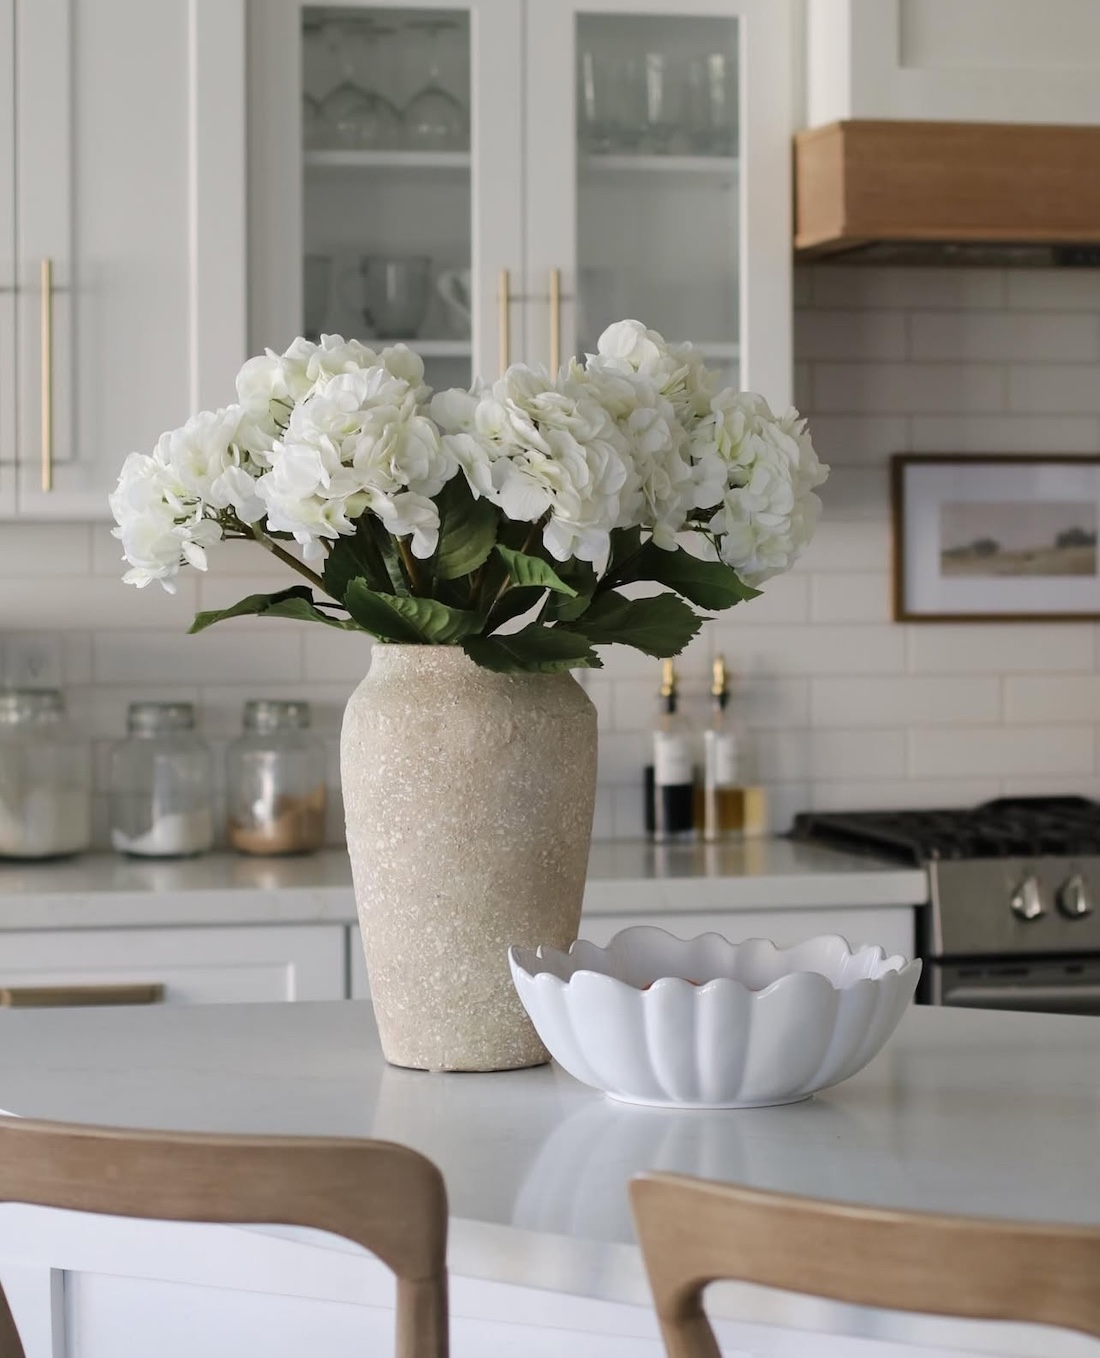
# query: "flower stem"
x,y
409,562
290,560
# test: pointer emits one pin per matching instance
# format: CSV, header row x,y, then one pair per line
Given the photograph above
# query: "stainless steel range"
x,y
1014,916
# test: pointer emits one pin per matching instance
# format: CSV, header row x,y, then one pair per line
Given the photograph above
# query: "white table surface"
x,y
964,1111
107,891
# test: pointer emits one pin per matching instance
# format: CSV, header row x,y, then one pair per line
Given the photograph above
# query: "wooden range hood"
x,y
937,192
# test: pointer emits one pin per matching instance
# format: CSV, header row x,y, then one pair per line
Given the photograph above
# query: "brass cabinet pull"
x,y
555,321
58,996
504,302
47,374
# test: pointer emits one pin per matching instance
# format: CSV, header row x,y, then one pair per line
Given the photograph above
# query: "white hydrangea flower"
x,y
535,447
359,441
768,511
676,370
659,488
167,503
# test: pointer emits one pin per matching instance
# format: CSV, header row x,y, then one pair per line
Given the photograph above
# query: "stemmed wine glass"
x,y
356,115
434,119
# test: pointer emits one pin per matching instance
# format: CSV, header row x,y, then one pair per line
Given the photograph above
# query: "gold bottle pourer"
x,y
668,679
718,683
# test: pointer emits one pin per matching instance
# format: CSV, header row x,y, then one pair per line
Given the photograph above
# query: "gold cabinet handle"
x,y
504,303
57,996
555,321
47,374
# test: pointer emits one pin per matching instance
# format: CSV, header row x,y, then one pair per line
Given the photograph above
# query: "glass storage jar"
x,y
45,777
161,784
275,771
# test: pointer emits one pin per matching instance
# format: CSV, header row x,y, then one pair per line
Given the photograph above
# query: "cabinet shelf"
x,y
388,160
714,167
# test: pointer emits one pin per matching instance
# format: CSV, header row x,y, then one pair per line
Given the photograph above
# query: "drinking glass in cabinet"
x,y
314,128
45,778
315,286
355,112
275,773
161,801
434,119
395,291
711,105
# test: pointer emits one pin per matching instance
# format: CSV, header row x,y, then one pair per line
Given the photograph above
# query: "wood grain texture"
x,y
868,180
694,1232
385,1197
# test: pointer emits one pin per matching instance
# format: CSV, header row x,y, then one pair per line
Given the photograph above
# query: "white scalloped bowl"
x,y
705,1023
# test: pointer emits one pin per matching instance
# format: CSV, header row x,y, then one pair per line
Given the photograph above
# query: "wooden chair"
x,y
387,1198
694,1232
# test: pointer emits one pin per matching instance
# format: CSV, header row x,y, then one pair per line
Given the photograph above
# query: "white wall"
x,y
848,709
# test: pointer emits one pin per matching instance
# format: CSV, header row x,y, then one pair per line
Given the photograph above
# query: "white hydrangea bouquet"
x,y
507,519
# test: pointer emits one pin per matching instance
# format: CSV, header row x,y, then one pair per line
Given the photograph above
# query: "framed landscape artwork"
x,y
987,538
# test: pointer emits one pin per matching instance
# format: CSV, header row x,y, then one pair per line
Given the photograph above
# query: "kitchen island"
x,y
967,1111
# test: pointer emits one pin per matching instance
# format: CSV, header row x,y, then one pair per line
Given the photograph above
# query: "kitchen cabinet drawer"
x,y
195,966
892,927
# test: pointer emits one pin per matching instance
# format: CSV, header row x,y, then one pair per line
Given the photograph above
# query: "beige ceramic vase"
x,y
468,797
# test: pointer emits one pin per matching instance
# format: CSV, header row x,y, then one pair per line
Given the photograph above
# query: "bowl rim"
x,y
892,964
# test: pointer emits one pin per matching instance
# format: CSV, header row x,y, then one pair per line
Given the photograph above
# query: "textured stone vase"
x,y
468,797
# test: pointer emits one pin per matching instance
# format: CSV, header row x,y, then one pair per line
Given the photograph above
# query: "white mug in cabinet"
x,y
453,286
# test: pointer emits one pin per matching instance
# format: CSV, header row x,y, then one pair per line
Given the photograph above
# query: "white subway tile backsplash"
x,y
1054,289
1054,388
1000,751
850,597
909,289
984,337
1000,648
842,707
1033,698
887,795
1005,433
910,388
905,702
835,334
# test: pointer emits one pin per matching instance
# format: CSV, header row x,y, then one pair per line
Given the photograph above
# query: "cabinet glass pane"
x,y
657,178
386,193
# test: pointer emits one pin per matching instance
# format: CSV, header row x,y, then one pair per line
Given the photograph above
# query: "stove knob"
x,y
1073,897
1026,900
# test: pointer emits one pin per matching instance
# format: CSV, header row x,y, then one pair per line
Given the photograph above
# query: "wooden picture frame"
x,y
989,537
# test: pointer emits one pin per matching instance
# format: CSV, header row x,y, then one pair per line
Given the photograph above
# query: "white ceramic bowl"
x,y
705,1023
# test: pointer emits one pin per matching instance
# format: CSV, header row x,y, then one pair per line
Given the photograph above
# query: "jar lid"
x,y
30,704
145,718
275,714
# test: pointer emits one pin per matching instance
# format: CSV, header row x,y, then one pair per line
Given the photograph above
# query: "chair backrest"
x,y
385,1197
693,1232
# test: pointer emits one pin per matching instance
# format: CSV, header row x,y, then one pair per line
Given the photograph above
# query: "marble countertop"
x,y
104,890
966,1111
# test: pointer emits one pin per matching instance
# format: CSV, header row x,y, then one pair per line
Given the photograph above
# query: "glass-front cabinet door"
x,y
657,180
385,190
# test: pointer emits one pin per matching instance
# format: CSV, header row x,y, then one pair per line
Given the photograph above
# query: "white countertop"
x,y
964,1111
107,891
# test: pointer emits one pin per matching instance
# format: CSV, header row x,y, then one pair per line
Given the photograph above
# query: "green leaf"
x,y
710,584
532,570
534,650
625,543
512,603
408,620
296,602
467,530
660,626
354,558
581,576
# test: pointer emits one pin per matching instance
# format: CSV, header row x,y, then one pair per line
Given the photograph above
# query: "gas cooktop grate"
x,y
1010,827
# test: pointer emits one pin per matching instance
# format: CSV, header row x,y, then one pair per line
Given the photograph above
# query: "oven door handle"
x,y
1071,999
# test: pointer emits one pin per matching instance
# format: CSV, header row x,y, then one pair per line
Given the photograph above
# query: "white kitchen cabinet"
x,y
623,157
195,966
122,237
976,61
